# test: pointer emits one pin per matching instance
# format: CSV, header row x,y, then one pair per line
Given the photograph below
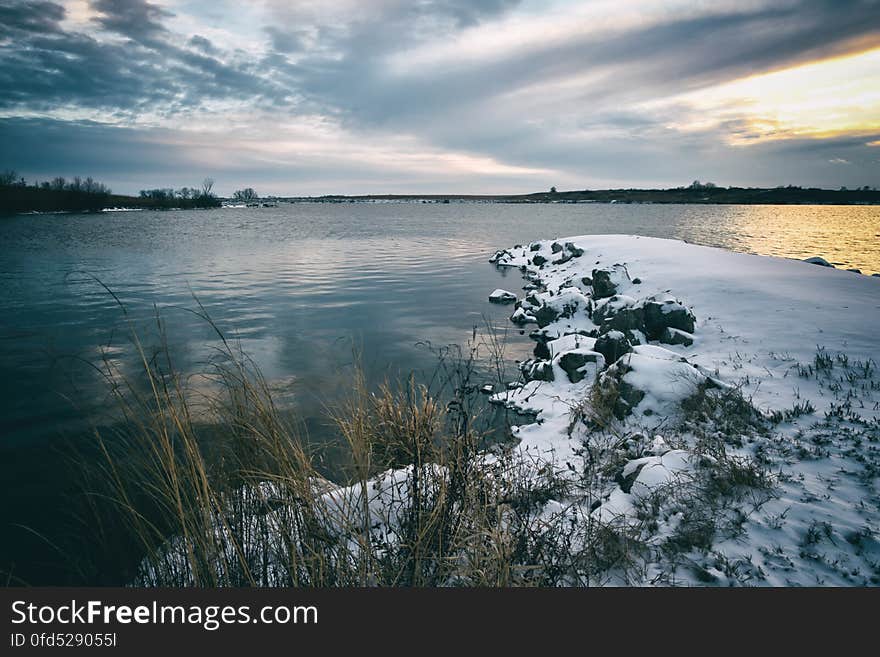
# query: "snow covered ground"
x,y
719,409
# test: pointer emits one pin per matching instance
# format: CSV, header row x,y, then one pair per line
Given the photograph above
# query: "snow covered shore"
x,y
641,345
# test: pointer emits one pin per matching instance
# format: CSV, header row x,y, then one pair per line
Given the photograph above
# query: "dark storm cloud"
x,y
44,67
135,19
40,146
29,16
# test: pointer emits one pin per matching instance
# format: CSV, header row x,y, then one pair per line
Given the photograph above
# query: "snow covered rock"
x,y
651,379
603,283
575,364
612,345
664,311
676,336
502,296
619,312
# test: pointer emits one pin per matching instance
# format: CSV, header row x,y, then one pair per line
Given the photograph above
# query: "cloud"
x,y
17,16
505,94
136,19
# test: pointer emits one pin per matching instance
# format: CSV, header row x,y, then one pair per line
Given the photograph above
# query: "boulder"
x,y
612,345
541,350
662,312
502,296
539,260
675,336
545,315
556,247
574,362
603,286
575,251
521,317
565,257
538,371
619,312
624,396
816,260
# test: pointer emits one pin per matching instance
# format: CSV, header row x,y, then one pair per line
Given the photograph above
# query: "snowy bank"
x,y
645,342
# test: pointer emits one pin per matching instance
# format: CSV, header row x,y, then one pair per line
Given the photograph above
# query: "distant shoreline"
x,y
710,196
34,201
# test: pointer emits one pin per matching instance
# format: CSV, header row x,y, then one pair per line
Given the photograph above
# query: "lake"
x,y
302,287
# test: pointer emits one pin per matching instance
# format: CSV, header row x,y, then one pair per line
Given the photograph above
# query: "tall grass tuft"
x,y
210,486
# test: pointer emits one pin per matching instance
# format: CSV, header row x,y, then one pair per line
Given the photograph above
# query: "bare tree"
x,y
245,195
8,177
207,186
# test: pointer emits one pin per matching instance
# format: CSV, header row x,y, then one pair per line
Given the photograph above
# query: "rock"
x,y
855,271
562,260
662,312
541,350
576,252
487,389
675,336
535,246
556,247
619,312
876,275
612,345
586,280
502,296
499,255
520,317
635,336
539,260
627,477
637,281
602,284
816,260
545,315
625,396
538,371
573,362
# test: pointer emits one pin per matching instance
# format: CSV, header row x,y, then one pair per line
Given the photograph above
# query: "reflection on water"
x,y
300,286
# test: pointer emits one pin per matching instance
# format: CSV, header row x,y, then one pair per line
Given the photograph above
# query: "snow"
x,y
781,331
502,296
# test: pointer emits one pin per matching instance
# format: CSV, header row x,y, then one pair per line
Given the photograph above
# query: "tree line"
x,y
88,195
185,197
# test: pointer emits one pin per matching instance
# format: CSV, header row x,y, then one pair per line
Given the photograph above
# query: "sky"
x,y
441,96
